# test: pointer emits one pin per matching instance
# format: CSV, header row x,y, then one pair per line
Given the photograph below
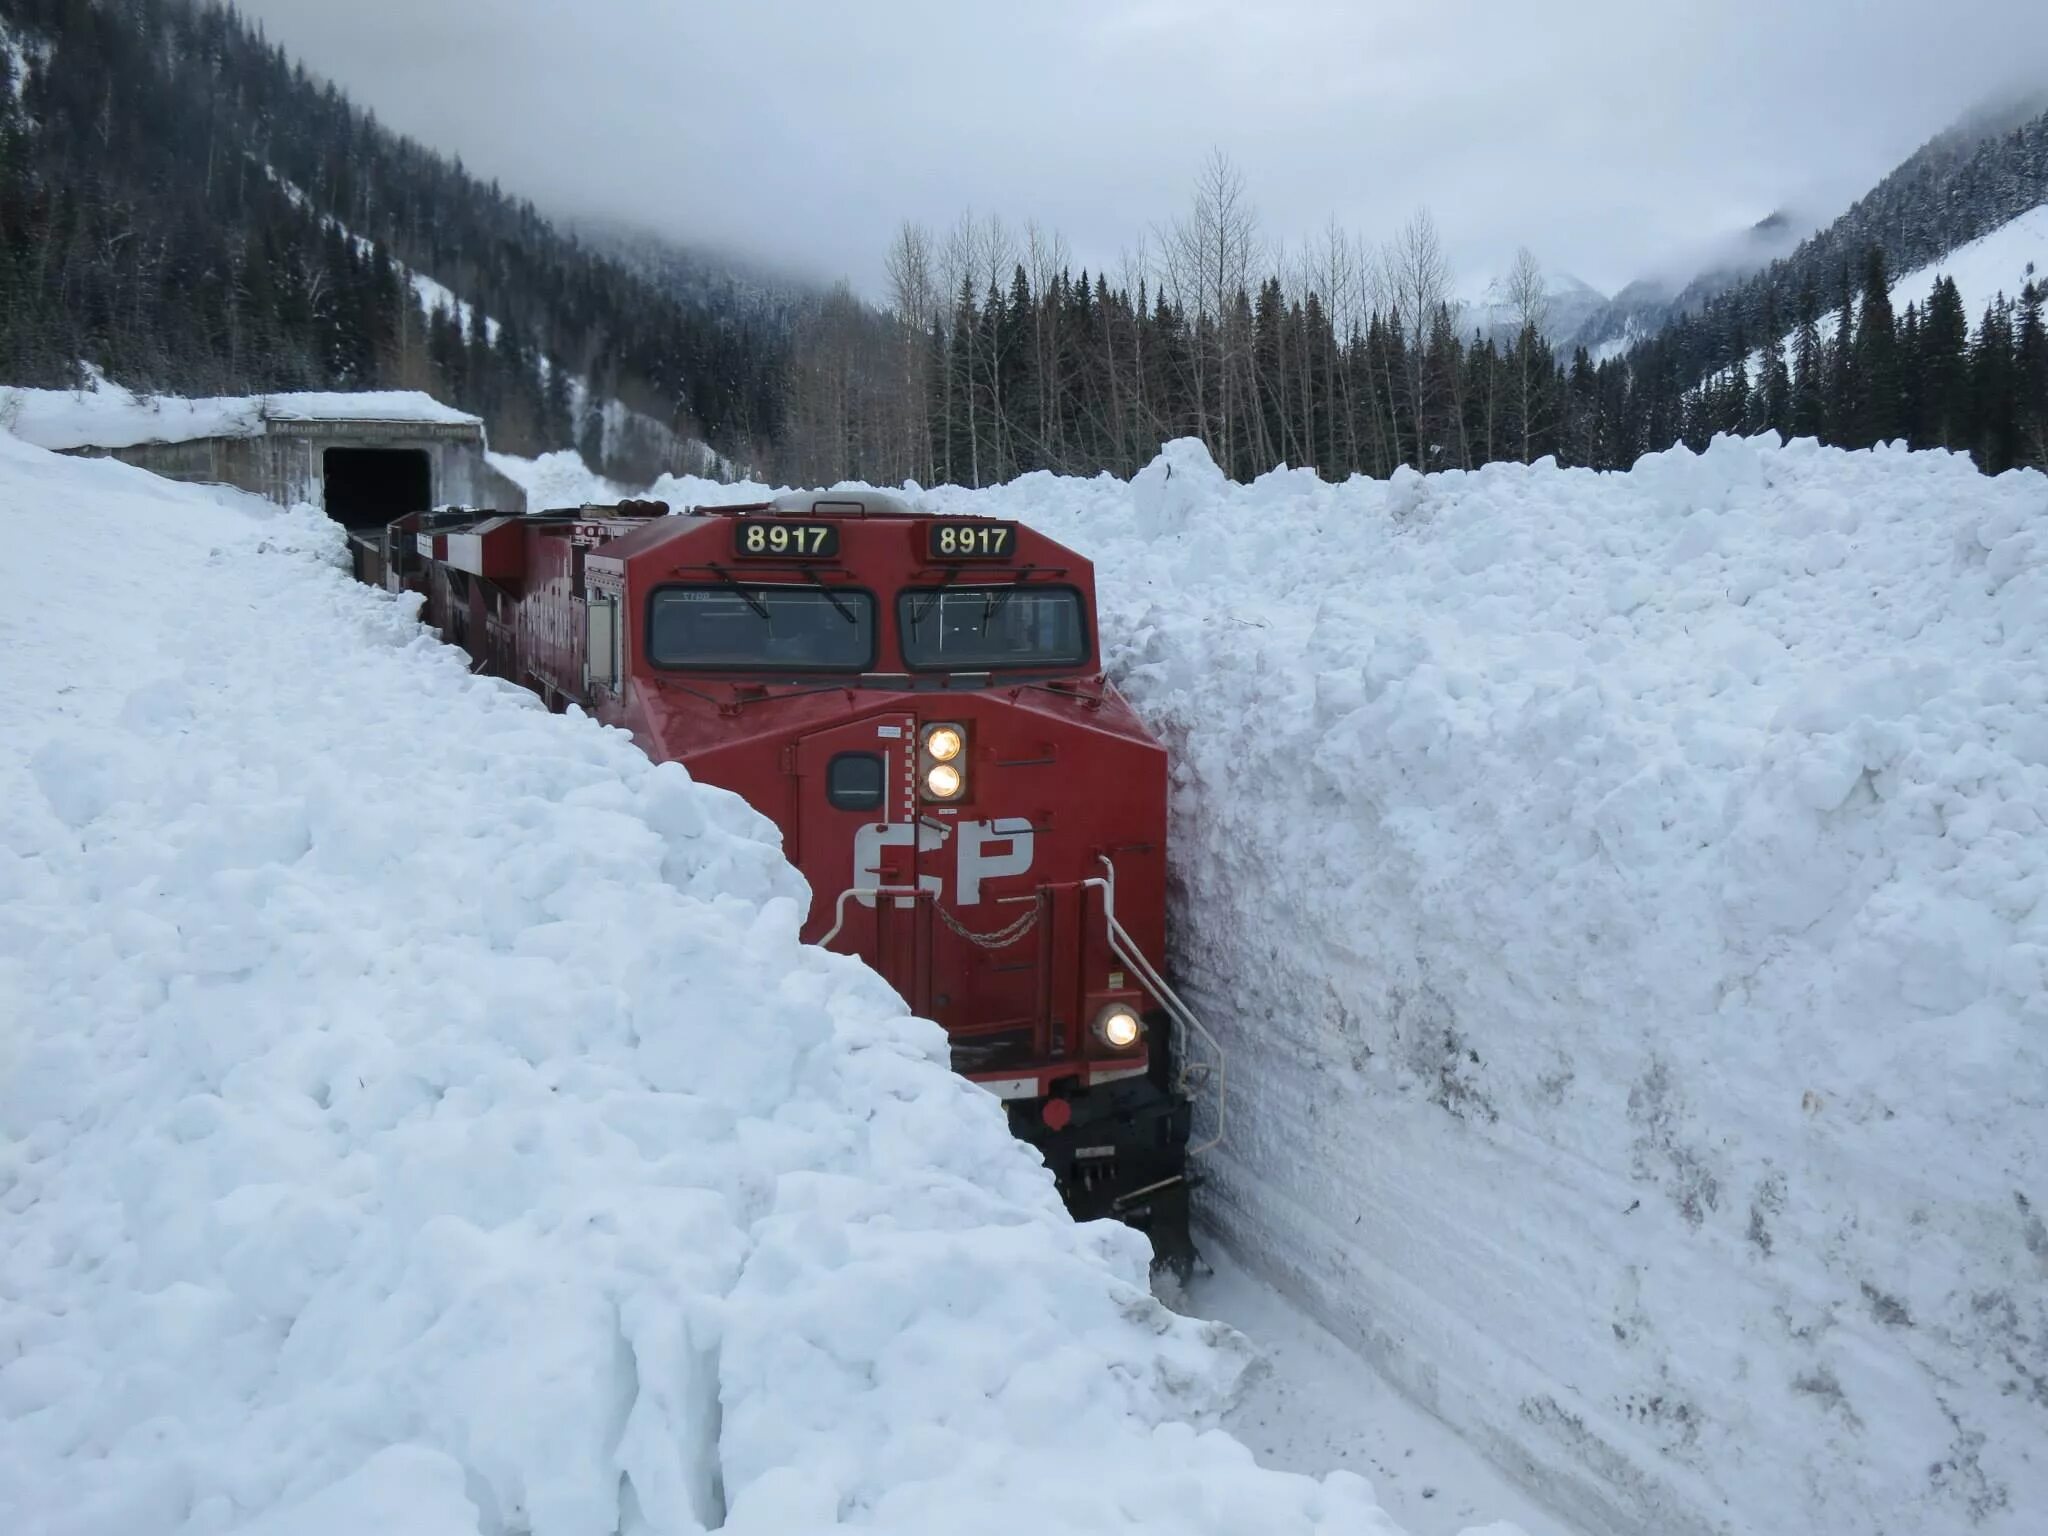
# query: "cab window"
x,y
974,629
761,628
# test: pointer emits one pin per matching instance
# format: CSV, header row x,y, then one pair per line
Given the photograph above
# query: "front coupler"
x,y
1120,1150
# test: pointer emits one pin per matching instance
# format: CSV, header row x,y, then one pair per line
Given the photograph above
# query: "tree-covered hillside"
x,y
1961,184
183,206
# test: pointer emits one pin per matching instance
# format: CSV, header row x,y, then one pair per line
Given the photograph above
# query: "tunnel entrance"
x,y
369,487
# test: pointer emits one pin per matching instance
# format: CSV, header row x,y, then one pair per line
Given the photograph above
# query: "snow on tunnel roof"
x,y
106,415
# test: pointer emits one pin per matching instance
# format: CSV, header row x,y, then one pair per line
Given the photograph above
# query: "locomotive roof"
x,y
861,503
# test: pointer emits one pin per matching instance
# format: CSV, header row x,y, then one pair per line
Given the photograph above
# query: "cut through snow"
x,y
1627,898
418,1115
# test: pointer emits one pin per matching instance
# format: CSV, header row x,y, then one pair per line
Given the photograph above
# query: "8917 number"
x,y
807,541
978,540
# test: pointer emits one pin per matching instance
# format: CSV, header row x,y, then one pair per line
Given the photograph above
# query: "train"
x,y
918,703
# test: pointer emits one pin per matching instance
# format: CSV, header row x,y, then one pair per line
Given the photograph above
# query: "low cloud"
x,y
1606,134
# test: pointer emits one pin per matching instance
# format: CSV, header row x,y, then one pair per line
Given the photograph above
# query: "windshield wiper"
x,y
997,596
760,608
831,597
917,614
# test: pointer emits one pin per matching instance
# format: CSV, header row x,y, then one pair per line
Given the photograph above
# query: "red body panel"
x,y
977,910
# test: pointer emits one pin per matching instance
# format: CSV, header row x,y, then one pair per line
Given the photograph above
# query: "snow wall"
x,y
1625,899
418,1115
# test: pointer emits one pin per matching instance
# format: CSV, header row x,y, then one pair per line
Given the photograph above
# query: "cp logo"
x,y
986,850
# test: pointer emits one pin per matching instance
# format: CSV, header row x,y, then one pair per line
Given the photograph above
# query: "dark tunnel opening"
x,y
369,487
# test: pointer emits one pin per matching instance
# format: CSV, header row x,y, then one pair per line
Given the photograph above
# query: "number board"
x,y
978,539
779,539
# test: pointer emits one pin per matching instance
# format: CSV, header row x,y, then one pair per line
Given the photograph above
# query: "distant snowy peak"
x,y
1568,300
1648,304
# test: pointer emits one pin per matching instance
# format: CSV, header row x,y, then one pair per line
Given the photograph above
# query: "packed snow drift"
x,y
418,1115
1626,901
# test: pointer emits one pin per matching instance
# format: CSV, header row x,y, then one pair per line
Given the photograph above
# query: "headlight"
x,y
1117,1027
942,760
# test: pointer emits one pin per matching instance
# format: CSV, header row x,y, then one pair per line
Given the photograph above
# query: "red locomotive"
x,y
918,703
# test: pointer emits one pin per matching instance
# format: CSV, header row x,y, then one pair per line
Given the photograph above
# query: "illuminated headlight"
x,y
942,760
1117,1027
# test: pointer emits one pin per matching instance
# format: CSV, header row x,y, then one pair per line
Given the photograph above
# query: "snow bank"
x,y
418,1115
106,415
1625,898
559,479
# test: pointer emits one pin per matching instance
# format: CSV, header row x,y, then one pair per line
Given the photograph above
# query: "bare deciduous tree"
x,y
1417,278
1528,300
916,297
1207,264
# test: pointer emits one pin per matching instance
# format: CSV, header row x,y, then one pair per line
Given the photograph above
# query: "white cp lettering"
x,y
978,864
871,839
988,850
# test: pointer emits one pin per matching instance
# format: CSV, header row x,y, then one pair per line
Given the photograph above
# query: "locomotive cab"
x,y
917,701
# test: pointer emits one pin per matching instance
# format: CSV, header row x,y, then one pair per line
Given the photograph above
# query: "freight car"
x,y
918,703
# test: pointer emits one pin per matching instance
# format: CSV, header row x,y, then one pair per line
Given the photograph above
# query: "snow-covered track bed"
x,y
1626,898
417,1115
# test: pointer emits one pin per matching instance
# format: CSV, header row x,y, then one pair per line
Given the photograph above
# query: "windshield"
x,y
761,628
970,629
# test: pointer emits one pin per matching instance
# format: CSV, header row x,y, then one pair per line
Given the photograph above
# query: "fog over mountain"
x,y
1610,137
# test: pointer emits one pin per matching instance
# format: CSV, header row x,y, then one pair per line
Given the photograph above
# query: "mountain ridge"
x,y
282,227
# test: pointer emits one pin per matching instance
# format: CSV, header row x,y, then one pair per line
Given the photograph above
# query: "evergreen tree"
x,y
1877,364
1809,384
2030,376
1993,378
1948,418
1775,387
1842,393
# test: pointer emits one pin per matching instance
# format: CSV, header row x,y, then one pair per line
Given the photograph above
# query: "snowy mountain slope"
x,y
1626,899
418,1115
621,435
1996,263
1999,263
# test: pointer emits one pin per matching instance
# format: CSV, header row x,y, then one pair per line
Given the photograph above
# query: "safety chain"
x,y
1002,938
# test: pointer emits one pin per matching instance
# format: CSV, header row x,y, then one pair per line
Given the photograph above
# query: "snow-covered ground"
x,y
418,1115
1625,899
1313,1403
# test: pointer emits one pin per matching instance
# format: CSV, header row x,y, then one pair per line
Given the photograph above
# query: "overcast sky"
x,y
1611,136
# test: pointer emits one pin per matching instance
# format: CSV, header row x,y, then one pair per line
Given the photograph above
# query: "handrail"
x,y
1121,944
865,892
1126,949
